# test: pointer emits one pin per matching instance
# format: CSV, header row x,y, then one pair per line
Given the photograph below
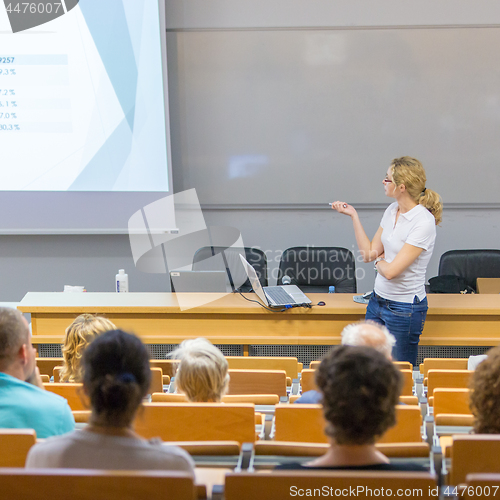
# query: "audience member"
x,y
364,333
79,334
485,395
23,401
116,377
360,389
202,374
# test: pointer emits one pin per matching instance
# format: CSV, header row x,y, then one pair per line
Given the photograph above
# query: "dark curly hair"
x,y
116,376
485,394
360,388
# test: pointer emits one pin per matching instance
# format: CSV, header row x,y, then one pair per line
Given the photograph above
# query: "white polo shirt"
x,y
418,228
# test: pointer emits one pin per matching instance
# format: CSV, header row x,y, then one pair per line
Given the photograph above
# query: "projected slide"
x,y
82,97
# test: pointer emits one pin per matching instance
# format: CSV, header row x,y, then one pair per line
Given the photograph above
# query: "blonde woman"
x,y
202,374
401,249
79,334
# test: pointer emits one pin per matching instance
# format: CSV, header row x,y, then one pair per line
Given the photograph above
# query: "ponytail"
x,y
432,202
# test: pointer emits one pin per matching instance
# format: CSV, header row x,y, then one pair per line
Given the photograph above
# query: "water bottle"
x,y
121,281
331,289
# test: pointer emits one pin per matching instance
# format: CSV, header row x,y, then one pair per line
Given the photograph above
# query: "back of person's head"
x,y
371,334
485,394
410,172
116,377
360,389
14,332
84,329
202,373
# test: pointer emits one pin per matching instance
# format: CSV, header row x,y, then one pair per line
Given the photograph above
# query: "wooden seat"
x,y
56,373
473,453
156,378
46,365
451,401
257,382
408,428
168,366
282,485
482,485
73,393
47,484
308,381
14,446
256,399
81,417
305,423
446,379
45,378
211,448
442,364
289,364
403,365
197,422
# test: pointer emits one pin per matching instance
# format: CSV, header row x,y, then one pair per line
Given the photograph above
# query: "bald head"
x,y
14,332
370,334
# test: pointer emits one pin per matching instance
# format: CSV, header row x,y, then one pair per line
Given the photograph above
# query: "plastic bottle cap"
x,y
331,289
121,271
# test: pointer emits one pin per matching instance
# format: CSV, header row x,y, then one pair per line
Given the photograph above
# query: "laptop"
x,y
198,281
274,296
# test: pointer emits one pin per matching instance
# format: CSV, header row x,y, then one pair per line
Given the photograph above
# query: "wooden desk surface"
x,y
229,319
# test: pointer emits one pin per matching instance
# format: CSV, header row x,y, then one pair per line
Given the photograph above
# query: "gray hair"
x,y
371,334
13,334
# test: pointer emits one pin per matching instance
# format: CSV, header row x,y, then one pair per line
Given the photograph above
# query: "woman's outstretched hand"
x,y
343,208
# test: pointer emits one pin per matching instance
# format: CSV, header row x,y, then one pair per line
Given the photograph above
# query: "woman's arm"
x,y
405,257
370,250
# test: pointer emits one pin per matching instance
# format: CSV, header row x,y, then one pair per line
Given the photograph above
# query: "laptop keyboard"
x,y
279,295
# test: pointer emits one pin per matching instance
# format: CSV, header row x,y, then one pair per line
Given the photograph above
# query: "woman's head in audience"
x,y
84,329
202,373
116,377
485,395
360,388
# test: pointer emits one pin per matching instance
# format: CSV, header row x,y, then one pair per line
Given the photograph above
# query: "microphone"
x,y
286,280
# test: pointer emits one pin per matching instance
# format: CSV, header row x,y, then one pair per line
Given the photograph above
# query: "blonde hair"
x,y
410,172
79,334
202,374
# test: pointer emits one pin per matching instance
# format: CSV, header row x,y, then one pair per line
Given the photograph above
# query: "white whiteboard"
x,y
310,116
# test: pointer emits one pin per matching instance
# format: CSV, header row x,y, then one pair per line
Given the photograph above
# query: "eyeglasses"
x,y
387,180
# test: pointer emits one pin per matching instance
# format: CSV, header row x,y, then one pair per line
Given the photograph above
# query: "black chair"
x,y
216,258
315,269
470,265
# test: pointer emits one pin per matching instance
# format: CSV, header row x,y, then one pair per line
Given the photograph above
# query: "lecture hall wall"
x,y
48,262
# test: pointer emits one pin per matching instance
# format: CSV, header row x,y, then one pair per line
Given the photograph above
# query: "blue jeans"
x,y
405,321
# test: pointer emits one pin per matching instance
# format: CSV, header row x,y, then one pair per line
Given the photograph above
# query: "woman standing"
x,y
401,249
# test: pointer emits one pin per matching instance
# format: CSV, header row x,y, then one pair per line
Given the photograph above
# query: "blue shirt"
x,y
25,406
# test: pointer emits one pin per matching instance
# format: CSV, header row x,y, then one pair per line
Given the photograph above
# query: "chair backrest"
x,y
281,485
447,379
46,365
470,264
443,364
217,258
168,366
45,378
255,399
451,400
408,428
197,422
403,365
73,393
471,453
308,380
156,384
57,373
77,484
314,269
299,423
482,485
14,446
257,382
289,364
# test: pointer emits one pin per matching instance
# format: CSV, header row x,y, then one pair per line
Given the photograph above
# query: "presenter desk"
x,y
452,320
